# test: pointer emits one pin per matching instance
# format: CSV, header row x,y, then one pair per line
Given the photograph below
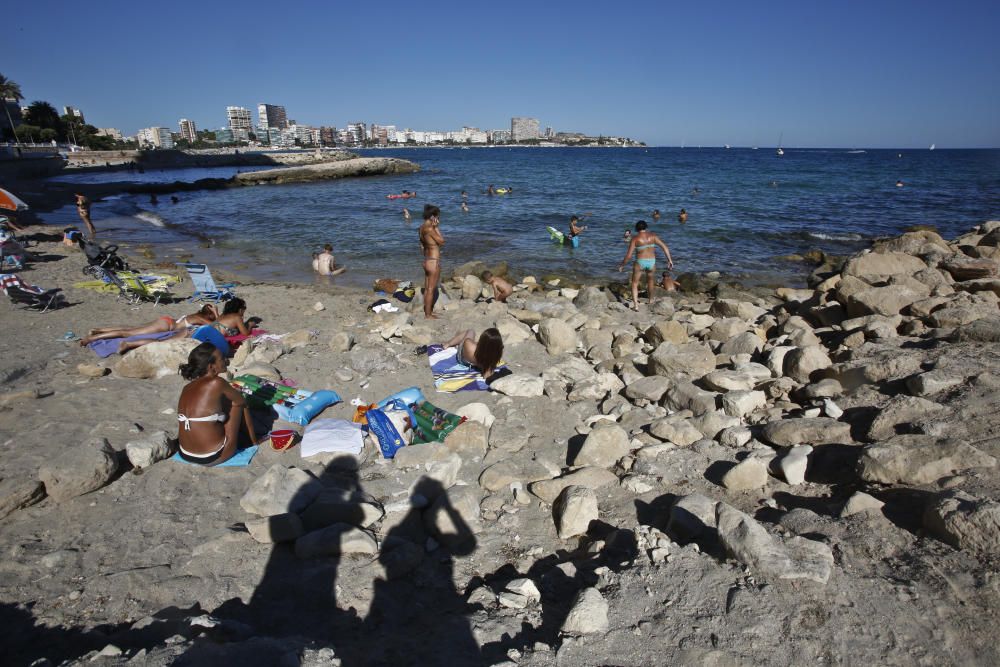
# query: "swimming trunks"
x,y
646,264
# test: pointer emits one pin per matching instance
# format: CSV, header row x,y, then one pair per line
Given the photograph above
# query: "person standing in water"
x,y
682,217
656,214
83,208
431,241
575,229
643,246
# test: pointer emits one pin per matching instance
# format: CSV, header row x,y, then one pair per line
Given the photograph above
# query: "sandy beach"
x,y
802,475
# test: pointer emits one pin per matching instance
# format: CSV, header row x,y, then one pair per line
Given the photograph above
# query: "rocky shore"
x,y
807,476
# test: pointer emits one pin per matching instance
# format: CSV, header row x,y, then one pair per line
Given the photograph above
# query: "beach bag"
x,y
384,431
432,424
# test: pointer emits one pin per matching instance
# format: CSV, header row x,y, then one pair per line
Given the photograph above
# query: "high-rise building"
x,y
73,111
155,137
523,128
238,118
112,132
328,136
188,130
272,115
357,133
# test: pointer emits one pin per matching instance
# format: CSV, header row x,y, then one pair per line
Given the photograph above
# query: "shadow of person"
x,y
417,615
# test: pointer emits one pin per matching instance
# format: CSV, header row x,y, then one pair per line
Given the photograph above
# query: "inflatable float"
x,y
501,191
562,239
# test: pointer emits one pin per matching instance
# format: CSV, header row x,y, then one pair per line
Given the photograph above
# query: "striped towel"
x,y
450,375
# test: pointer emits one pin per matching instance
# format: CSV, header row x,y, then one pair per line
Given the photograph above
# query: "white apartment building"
x,y
523,128
156,137
238,118
112,132
188,130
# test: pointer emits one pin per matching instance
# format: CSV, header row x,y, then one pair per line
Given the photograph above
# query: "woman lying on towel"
x,y
231,323
484,355
210,410
162,324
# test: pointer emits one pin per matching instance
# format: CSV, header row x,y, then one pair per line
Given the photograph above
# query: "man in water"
x,y
431,241
83,208
682,217
324,264
501,288
489,190
575,229
656,214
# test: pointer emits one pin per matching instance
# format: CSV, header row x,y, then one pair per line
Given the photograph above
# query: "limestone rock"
x,y
874,267
588,615
742,403
984,330
340,538
152,448
368,361
889,300
519,385
750,473
918,459
694,359
590,297
733,308
92,370
730,380
681,432
341,342
890,366
900,411
468,439
966,522
712,422
519,594
650,388
298,339
18,493
793,465
521,469
339,506
684,395
156,359
557,336
802,362
593,478
453,519
573,511
280,490
860,502
265,352
670,331
278,528
932,382
745,343
805,430
472,287
513,332
605,445
79,469
692,516
750,543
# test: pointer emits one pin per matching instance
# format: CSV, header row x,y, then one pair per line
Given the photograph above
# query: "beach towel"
x,y
451,376
332,435
433,424
108,346
242,457
96,285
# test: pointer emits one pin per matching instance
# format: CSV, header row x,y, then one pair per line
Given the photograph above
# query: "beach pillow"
x,y
206,333
332,435
242,457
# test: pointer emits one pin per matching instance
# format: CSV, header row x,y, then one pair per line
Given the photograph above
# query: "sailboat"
x,y
780,150
932,147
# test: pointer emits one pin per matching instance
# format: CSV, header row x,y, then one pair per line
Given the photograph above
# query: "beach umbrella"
x,y
10,202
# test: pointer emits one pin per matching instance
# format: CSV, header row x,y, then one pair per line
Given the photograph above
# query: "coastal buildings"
x,y
155,137
188,130
327,136
112,132
499,136
73,111
522,129
272,115
238,118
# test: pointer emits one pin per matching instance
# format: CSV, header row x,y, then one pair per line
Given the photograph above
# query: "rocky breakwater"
x,y
322,171
695,483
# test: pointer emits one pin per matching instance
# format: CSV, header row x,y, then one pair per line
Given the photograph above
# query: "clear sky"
x,y
878,73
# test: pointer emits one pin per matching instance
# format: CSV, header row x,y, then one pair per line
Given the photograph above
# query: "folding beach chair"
x,y
205,288
30,296
139,289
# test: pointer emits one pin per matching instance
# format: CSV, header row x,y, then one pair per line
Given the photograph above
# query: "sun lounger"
x,y
30,297
205,287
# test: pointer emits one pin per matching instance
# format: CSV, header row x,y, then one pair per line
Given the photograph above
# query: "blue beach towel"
x,y
108,346
242,457
450,375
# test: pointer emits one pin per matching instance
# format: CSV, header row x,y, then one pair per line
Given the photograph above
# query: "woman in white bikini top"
x,y
209,411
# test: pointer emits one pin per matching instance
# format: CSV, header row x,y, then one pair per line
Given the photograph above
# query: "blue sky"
x,y
881,73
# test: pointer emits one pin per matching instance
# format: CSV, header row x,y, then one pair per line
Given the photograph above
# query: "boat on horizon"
x,y
931,148
780,150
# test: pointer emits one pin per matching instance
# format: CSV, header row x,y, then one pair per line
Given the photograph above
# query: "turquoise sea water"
x,y
746,208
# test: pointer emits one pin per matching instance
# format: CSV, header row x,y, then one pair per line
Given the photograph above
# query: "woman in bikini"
x,y
431,242
231,323
210,410
483,355
162,324
643,246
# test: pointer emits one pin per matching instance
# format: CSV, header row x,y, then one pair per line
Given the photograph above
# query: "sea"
x,y
749,211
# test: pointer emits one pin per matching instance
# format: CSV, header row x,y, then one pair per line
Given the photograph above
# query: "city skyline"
x,y
888,74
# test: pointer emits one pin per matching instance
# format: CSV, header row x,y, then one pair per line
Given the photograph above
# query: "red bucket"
x,y
282,439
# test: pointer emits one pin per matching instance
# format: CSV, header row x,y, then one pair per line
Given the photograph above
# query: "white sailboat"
x,y
780,150
932,147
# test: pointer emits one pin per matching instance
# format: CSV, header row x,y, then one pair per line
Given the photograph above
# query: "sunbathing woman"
x,y
483,355
210,410
162,324
231,323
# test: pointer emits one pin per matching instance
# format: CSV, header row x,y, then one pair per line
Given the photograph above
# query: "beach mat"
x,y
451,376
242,457
108,346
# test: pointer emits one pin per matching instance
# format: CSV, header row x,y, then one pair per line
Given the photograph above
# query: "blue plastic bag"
x,y
389,440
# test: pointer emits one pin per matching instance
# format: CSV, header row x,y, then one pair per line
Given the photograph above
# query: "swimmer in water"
x,y
682,217
406,214
899,184
656,214
465,207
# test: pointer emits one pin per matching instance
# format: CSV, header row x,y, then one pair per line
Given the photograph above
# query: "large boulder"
x,y
686,395
801,363
340,538
694,359
453,519
18,493
156,359
919,459
573,511
650,388
150,449
280,490
889,300
900,413
519,385
469,439
733,308
472,287
590,297
750,473
557,336
79,469
966,522
807,431
605,445
513,332
875,267
666,330
592,478
588,615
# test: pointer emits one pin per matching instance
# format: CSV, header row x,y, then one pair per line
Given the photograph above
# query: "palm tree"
x,y
9,90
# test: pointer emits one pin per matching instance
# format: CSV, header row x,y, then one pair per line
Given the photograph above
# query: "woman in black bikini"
x,y
210,410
